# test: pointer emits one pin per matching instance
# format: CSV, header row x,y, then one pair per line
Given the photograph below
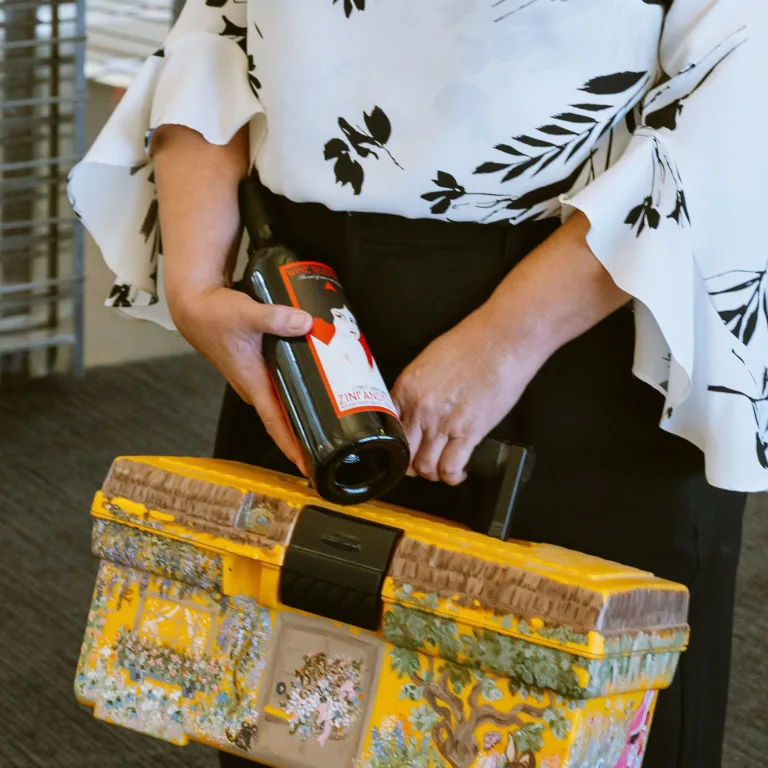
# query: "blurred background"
x,y
56,92
80,384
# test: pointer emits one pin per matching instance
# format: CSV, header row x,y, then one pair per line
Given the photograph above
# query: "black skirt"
x,y
608,481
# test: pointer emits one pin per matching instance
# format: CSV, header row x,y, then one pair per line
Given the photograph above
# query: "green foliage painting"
x,y
445,670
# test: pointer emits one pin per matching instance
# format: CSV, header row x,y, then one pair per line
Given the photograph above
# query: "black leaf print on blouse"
x,y
350,5
253,80
667,116
450,190
235,33
150,226
71,196
759,402
643,214
120,295
665,177
666,4
741,299
240,36
521,6
609,85
580,125
569,130
631,120
665,384
347,169
512,208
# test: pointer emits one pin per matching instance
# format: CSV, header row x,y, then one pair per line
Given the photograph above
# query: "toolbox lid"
x,y
537,593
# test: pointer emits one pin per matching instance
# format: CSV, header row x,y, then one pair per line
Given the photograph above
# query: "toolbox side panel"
x,y
171,660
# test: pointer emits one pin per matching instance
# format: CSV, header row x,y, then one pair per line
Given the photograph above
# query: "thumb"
x,y
279,320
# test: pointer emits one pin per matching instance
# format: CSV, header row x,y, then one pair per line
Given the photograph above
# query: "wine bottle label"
x,y
348,369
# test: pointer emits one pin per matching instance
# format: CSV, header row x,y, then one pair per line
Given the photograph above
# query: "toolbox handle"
x,y
335,564
511,465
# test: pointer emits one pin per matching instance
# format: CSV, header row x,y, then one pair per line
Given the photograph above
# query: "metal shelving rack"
x,y
42,134
121,35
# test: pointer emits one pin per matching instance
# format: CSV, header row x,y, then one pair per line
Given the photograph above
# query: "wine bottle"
x,y
333,395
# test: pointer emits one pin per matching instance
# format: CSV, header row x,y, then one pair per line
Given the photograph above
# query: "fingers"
x,y
437,449
442,458
262,396
280,432
226,326
426,461
413,434
286,322
454,459
278,320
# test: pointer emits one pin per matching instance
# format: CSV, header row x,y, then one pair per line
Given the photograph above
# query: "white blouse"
x,y
647,119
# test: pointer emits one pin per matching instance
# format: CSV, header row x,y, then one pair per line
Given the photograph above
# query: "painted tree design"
x,y
460,696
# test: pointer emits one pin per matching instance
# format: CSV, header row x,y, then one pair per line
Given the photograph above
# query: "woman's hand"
x,y
227,327
465,382
197,191
456,391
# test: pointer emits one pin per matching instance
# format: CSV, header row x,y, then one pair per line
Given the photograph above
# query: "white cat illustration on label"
x,y
350,373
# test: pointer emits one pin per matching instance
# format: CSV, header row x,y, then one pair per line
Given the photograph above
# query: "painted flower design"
x,y
394,744
154,554
144,658
324,697
212,696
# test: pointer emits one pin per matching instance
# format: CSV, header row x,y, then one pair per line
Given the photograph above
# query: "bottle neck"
x,y
263,238
254,214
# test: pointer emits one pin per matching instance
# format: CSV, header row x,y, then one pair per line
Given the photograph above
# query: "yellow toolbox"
x,y
235,608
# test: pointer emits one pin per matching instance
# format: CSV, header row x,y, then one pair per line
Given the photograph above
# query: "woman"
x,y
546,206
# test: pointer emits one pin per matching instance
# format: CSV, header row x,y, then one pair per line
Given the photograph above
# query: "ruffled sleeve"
x,y
678,221
202,78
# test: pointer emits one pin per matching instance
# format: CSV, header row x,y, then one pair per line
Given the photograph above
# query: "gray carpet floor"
x,y
57,439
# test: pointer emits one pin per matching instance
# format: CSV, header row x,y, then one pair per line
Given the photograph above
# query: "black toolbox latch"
x,y
335,566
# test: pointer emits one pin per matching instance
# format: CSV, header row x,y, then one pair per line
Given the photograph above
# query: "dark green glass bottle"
x,y
334,398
